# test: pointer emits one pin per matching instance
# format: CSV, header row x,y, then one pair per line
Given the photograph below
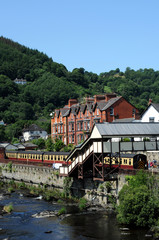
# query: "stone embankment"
x,y
32,174
96,192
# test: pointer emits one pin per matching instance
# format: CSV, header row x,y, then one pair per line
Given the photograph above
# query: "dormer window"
x,y
111,111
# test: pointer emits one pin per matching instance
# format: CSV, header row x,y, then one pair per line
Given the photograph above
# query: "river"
x,y
20,225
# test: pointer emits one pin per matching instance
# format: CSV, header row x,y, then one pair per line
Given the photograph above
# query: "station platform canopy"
x,y
118,130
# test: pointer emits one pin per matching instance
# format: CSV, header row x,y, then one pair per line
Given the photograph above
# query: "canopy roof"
x,y
131,129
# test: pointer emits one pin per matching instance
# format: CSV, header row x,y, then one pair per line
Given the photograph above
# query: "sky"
x,y
97,35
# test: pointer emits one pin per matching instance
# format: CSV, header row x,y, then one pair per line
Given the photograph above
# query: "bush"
x,y
138,201
82,203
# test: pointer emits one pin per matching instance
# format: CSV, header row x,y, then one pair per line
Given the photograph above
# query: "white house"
x,y
34,132
151,114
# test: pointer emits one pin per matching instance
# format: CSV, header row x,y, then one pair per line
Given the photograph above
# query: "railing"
x,y
79,159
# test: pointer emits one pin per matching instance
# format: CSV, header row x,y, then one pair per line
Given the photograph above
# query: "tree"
x,y
2,133
138,201
49,145
40,142
58,145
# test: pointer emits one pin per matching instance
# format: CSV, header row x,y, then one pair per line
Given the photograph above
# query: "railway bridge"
x,y
107,140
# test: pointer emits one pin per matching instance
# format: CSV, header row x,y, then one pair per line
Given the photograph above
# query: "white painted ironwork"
x,y
79,159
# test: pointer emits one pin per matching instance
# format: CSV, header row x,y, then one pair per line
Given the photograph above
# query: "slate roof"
x,y
82,108
57,111
128,129
32,128
111,102
125,120
64,110
156,106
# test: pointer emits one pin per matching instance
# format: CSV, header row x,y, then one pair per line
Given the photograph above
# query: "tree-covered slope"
x,y
50,84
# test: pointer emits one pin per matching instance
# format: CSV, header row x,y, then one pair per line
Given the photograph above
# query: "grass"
x,y
62,211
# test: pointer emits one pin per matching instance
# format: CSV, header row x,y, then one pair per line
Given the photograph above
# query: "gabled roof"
x,y
63,111
156,106
74,110
28,144
111,102
101,105
32,128
82,108
57,111
127,129
67,113
89,107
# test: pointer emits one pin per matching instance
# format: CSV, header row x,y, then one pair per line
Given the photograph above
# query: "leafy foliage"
x,y
50,85
138,201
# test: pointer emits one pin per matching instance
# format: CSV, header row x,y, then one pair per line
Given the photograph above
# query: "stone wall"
x,y
32,174
96,192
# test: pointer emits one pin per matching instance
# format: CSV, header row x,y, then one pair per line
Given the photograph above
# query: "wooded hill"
x,y
50,84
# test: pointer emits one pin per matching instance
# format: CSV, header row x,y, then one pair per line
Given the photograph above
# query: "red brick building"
x,y
73,123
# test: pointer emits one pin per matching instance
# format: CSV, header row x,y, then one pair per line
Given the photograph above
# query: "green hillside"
x,y
50,85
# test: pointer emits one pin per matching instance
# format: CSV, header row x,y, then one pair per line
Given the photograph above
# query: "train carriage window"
x,y
116,160
129,161
125,161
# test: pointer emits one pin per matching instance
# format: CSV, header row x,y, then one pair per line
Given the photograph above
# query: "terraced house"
x,y
73,123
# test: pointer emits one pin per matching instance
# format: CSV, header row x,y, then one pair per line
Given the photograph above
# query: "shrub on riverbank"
x,y
139,201
82,203
8,208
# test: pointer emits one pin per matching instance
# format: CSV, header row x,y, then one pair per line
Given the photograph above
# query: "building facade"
x,y
34,132
73,123
151,114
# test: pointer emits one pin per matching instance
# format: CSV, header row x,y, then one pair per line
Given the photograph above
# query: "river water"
x,y
20,225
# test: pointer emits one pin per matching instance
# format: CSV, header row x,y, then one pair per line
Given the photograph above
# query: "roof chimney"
x,y
150,101
109,96
71,102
